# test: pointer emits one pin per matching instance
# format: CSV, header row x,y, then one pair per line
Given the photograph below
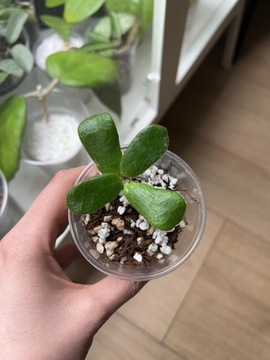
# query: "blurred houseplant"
x,y
87,68
117,34
16,59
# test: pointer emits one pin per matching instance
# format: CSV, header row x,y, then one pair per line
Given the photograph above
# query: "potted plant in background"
x,y
68,41
118,33
16,57
73,69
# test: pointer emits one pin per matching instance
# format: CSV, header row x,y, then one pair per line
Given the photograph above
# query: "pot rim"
x,y
3,204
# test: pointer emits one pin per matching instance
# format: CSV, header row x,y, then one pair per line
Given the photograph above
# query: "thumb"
x,y
108,295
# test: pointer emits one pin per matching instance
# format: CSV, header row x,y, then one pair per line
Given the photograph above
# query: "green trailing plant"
x,y
162,208
88,69
16,58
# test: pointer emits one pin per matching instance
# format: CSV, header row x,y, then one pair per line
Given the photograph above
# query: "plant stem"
x,y
43,107
43,91
40,93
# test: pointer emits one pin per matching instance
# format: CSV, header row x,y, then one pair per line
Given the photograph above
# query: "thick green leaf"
x,y
58,25
100,138
11,67
144,150
77,10
163,209
141,9
104,28
146,15
15,25
92,194
79,69
23,57
94,47
120,6
12,124
3,77
114,26
97,38
110,96
54,3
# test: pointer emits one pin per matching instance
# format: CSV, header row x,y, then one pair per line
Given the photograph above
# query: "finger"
x,y
110,294
66,255
47,217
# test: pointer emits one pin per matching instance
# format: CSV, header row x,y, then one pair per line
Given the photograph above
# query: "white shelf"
x,y
208,18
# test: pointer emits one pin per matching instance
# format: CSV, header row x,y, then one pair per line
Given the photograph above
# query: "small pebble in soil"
x,y
52,140
130,239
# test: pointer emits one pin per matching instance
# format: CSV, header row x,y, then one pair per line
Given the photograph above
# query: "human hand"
x,y
43,315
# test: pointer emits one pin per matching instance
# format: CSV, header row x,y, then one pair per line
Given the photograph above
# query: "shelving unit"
x,y
165,62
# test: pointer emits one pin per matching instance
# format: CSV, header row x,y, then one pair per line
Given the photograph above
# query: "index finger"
x,y
47,216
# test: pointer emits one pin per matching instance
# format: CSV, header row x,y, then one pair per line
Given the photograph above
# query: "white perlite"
x,y
160,247
51,45
53,140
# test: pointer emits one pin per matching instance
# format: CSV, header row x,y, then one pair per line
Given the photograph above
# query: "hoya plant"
x,y
119,170
16,58
70,70
77,68
123,24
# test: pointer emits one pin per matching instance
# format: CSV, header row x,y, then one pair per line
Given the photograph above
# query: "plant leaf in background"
x,y
3,76
54,3
12,124
141,9
58,25
120,6
99,137
162,208
77,10
79,69
107,26
110,96
144,150
91,195
15,25
10,67
23,57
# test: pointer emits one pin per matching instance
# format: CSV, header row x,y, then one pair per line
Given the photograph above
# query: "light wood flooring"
x,y
217,305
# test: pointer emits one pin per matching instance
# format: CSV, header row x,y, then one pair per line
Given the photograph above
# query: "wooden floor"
x,y
217,305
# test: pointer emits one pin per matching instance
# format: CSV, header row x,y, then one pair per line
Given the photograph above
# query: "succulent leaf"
x,y
162,208
15,25
23,57
94,193
58,25
144,150
99,136
12,124
54,3
77,10
79,69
